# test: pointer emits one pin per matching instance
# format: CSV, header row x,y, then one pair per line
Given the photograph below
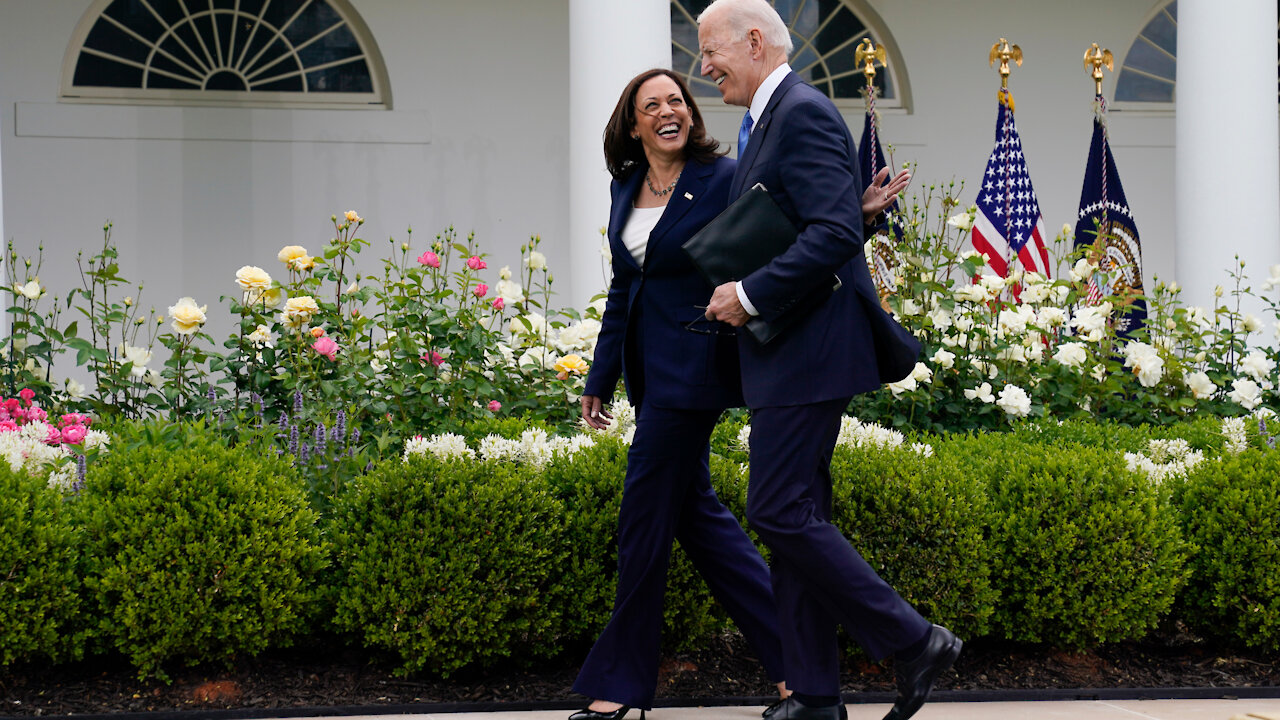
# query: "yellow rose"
x,y
270,297
353,217
301,307
302,263
251,277
570,364
289,253
187,316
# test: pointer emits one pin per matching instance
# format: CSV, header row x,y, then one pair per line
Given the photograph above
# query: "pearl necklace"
x,y
648,180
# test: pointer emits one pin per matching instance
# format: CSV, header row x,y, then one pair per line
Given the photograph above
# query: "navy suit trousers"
x,y
667,494
819,580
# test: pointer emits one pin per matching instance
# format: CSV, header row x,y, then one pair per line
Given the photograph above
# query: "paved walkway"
x,y
1257,709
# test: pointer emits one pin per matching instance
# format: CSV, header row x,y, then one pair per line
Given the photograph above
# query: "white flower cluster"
x,y
534,447
443,446
623,424
1237,438
25,450
1165,459
1146,362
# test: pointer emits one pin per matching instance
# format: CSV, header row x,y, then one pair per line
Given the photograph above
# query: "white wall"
x,y
477,138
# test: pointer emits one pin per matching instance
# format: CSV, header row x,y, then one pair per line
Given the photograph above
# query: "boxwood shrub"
x,y
202,553
1085,551
1230,507
39,574
921,524
450,563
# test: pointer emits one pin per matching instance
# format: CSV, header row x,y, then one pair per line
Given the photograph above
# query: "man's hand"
x,y
724,306
882,191
593,412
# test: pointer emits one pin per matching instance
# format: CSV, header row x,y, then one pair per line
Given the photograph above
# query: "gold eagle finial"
x,y
1095,58
867,55
1004,52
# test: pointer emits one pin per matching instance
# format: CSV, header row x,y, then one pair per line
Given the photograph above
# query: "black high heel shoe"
x,y
587,713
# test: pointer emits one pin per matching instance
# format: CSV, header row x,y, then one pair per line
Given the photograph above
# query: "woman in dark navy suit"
x,y
681,371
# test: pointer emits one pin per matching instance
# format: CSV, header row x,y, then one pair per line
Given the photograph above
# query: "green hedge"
x,y
450,563
1231,512
921,524
180,549
40,585
203,553
1085,551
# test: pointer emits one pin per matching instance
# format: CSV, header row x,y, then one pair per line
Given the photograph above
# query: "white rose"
x,y
1252,323
1257,365
261,337
1246,393
994,284
962,221
1083,270
505,273
1035,293
1014,401
910,308
1071,354
982,392
1051,317
536,261
972,293
532,324
943,358
1200,385
75,389
154,379
906,384
922,373
30,291
1099,372
941,318
136,355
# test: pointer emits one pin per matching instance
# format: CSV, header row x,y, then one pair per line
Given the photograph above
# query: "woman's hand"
x,y
593,412
882,191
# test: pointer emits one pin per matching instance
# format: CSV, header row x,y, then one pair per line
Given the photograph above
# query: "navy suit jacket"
x,y
802,152
643,334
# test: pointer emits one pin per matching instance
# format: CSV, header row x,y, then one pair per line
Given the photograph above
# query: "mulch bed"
x,y
322,675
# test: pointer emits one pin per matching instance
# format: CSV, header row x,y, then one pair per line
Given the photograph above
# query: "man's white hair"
x,y
743,15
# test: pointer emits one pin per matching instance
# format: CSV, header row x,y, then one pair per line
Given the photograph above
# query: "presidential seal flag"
x,y
881,254
1105,218
1009,225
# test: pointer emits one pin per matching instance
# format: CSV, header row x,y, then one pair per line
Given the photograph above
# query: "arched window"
x,y
1150,67
300,53
826,33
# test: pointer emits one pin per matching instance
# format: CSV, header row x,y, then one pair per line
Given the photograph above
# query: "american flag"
x,y
1009,222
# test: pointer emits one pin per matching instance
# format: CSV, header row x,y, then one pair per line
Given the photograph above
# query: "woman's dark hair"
x,y
623,153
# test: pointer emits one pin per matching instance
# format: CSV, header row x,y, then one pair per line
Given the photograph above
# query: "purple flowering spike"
x,y
293,440
297,403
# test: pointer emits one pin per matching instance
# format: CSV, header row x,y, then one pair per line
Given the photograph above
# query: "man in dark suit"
x,y
798,146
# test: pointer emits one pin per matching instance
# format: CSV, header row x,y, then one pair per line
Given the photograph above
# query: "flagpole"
x,y
1004,52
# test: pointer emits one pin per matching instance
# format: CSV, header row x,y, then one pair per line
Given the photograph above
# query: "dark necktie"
x,y
744,134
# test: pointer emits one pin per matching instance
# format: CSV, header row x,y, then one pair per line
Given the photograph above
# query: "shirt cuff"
x,y
746,302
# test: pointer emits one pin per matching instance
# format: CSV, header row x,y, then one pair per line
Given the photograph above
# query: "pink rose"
x,y
27,394
37,413
73,434
481,290
434,358
494,406
75,419
8,426
499,303
429,259
54,437
12,404
475,263
326,347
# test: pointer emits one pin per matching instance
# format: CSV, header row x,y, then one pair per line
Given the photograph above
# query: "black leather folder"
x,y
744,238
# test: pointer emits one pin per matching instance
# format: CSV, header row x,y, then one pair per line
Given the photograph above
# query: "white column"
x,y
1227,178
4,249
610,42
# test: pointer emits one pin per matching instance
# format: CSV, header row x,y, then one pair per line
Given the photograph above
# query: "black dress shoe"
x,y
587,713
916,678
793,709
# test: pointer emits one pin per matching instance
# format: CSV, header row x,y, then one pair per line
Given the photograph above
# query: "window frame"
x,y
378,99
